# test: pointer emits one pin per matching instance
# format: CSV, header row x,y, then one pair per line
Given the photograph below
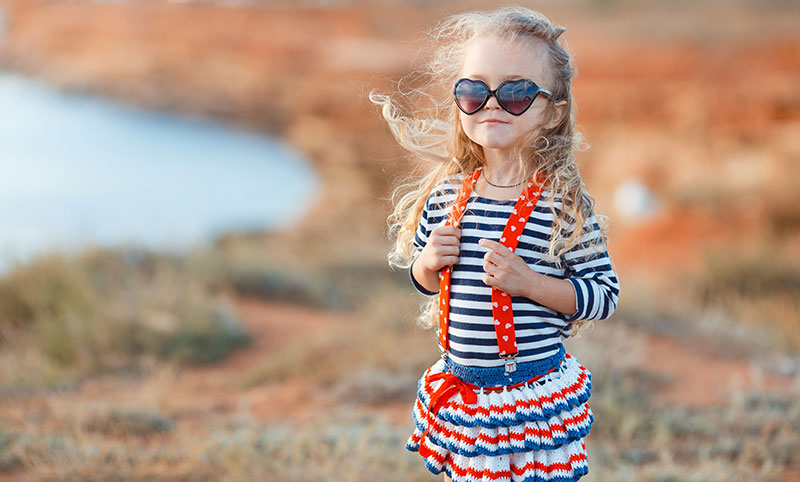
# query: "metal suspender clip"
x,y
511,364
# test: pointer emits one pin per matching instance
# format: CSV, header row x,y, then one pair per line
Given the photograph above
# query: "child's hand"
x,y
442,248
505,270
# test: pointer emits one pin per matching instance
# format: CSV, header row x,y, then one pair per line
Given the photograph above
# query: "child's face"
x,y
493,60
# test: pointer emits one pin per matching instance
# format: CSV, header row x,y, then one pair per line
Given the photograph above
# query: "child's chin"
x,y
491,140
494,143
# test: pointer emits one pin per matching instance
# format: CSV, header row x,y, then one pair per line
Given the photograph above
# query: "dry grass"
x,y
375,359
753,436
136,440
66,317
760,291
635,438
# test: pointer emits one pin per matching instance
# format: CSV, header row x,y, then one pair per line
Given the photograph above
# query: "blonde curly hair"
x,y
424,120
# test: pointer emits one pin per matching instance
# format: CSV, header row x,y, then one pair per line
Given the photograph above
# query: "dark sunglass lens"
x,y
517,96
470,95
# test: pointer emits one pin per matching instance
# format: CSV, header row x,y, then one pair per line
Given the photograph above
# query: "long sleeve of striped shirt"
x,y
589,269
421,238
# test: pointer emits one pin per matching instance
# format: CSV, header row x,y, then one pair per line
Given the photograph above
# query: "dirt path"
x,y
222,387
273,325
198,395
697,377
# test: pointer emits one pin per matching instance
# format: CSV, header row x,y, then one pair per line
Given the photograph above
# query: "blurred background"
x,y
193,202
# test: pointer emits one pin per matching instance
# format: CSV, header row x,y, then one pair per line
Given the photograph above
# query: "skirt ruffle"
x,y
531,433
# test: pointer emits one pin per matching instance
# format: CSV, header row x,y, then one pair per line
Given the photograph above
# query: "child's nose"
x,y
492,103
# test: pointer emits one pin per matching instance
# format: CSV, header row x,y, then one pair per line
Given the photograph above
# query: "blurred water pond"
x,y
78,170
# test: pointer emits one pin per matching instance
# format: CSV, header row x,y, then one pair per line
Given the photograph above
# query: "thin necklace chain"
x,y
498,185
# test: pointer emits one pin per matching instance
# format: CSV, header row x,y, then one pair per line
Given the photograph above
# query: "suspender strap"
x,y
456,212
502,312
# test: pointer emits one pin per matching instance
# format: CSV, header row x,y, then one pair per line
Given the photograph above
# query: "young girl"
x,y
501,233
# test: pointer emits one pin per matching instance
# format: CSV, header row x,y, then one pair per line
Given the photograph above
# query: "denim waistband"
x,y
496,376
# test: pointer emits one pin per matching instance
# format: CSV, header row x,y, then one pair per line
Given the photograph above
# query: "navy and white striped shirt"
x,y
539,330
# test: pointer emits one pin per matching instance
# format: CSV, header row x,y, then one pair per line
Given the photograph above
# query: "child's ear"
x,y
559,114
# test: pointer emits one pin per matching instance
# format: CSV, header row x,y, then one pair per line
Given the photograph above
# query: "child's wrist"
x,y
533,285
423,274
427,270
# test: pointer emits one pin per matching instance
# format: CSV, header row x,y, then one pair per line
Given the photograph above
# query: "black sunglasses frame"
x,y
536,91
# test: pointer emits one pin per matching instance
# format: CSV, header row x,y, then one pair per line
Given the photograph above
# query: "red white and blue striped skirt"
x,y
480,424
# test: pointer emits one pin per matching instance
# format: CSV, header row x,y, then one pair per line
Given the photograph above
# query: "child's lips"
x,y
493,121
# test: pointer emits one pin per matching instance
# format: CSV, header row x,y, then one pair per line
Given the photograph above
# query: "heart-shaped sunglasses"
x,y
514,96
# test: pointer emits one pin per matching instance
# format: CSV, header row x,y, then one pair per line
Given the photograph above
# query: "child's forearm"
x,y
554,293
428,279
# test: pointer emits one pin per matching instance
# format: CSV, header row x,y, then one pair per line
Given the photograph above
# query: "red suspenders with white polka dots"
x,y
501,303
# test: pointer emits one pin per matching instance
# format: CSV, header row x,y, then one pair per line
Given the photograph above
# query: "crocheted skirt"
x,y
476,429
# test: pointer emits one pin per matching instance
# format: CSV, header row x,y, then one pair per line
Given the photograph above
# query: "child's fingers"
x,y
494,246
445,230
492,257
449,260
447,249
448,241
